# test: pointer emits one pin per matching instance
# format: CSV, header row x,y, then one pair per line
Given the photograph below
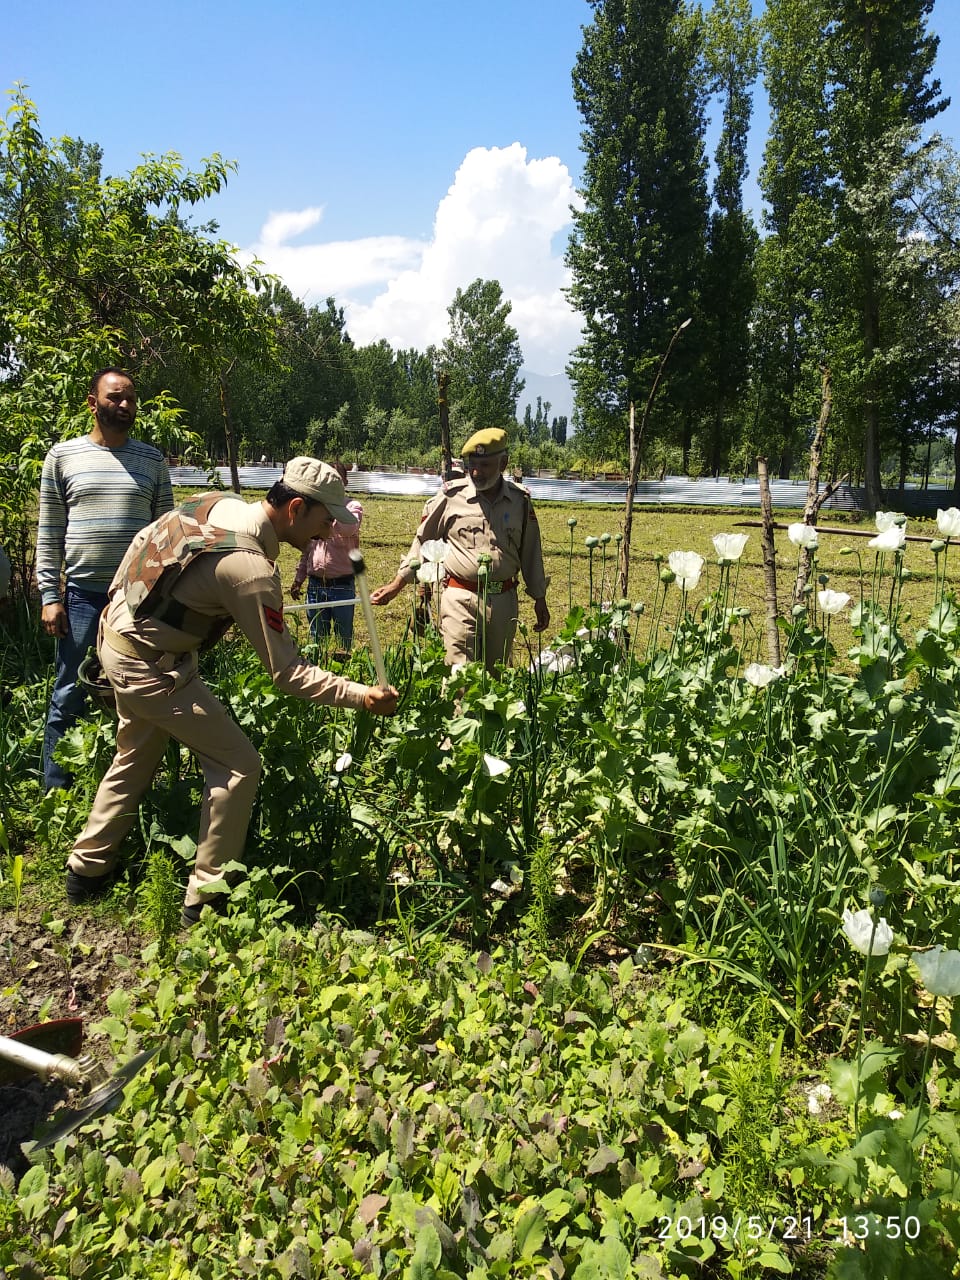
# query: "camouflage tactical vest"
x,y
158,556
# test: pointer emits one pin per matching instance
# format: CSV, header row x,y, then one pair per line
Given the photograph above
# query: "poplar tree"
x,y
482,356
883,59
636,252
729,282
793,261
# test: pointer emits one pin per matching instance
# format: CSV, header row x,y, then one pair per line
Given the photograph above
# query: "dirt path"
x,y
58,967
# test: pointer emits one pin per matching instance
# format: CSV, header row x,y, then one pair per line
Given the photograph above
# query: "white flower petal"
x,y
729,546
891,539
686,567
939,971
948,522
817,1096
494,766
430,572
833,601
760,675
859,928
803,535
434,550
343,762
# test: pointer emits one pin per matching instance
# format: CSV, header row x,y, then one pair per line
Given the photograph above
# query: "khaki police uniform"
x,y
152,666
504,525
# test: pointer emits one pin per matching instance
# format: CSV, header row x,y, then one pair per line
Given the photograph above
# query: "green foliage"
x,y
334,1107
638,246
483,357
103,271
330,1102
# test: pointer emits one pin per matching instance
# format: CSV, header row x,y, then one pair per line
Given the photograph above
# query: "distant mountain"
x,y
553,388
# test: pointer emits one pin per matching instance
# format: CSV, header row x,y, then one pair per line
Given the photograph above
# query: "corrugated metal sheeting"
x,y
673,491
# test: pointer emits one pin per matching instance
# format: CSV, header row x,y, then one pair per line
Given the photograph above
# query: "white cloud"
x,y
498,220
286,226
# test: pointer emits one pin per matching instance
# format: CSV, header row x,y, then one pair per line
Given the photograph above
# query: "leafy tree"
x,y
482,355
849,88
418,379
729,285
97,271
883,58
794,259
637,249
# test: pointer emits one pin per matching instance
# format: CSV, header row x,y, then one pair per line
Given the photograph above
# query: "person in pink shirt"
x,y
326,566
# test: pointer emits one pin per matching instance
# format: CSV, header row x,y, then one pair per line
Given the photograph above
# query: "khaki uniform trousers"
x,y
468,636
152,709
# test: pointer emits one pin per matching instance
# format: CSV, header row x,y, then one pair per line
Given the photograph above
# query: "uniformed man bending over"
x,y
184,580
483,512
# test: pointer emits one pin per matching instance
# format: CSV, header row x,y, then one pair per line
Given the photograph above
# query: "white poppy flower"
x,y
891,539
833,601
803,535
948,522
554,661
686,567
431,572
939,971
494,767
818,1095
760,675
434,549
343,762
887,519
729,546
858,926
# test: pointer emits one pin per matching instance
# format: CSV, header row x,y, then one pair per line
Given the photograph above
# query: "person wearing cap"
x,y
220,555
328,569
484,512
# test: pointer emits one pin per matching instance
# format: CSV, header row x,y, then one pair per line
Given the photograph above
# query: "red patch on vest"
x,y
274,618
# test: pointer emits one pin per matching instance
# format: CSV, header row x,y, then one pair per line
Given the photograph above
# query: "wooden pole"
x,y
443,382
636,442
815,499
769,564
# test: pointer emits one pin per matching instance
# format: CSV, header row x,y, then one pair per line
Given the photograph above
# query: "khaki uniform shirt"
x,y
244,586
503,524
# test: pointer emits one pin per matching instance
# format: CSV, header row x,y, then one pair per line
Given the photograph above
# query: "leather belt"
x,y
344,580
492,588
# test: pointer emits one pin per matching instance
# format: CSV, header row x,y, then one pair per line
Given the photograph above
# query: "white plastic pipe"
x,y
360,577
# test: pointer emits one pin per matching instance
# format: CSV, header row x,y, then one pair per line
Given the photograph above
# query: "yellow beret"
x,y
489,440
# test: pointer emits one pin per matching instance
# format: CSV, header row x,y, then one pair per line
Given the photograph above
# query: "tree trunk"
x,y
636,446
769,564
228,433
814,502
628,509
872,476
443,382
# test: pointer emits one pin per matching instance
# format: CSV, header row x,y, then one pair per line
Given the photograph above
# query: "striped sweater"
x,y
92,501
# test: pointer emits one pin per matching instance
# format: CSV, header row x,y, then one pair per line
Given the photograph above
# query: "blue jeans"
x,y
68,698
321,620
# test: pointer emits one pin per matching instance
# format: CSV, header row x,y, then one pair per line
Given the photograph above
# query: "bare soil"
x,y
62,967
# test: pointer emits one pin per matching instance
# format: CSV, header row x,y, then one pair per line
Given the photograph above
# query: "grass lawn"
x,y
390,522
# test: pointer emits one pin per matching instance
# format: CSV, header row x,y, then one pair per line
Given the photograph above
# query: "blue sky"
x,y
388,153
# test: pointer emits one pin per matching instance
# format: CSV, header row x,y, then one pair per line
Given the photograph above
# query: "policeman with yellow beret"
x,y
482,512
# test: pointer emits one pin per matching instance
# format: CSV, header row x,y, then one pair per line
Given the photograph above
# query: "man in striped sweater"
x,y
96,492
